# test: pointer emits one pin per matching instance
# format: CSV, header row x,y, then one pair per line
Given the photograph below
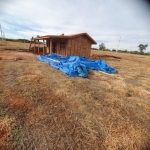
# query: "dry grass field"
x,y
41,108
8,45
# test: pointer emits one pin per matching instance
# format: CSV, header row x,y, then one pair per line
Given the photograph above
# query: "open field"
x,y
9,45
41,108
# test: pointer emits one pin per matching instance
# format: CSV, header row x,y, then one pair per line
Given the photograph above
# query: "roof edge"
x,y
63,36
94,42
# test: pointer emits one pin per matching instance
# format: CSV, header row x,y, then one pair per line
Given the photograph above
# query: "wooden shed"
x,y
65,45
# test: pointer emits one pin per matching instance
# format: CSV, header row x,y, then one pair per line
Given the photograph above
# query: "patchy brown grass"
x,y
15,55
42,108
5,129
8,45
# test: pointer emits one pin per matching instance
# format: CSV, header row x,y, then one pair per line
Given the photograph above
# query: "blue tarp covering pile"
x,y
75,65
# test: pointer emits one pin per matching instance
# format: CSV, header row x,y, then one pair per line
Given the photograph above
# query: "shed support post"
x,y
38,46
34,45
47,48
50,45
43,46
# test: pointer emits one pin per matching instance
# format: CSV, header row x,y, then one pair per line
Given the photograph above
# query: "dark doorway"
x,y
54,47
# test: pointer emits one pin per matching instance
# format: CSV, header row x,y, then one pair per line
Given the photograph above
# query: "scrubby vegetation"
x,y
141,47
124,51
18,40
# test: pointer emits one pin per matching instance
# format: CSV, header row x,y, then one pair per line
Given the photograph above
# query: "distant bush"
x,y
101,49
95,49
120,51
106,49
146,53
135,52
123,51
18,40
132,52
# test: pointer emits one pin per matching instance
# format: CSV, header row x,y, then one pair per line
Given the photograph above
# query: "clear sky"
x,y
104,20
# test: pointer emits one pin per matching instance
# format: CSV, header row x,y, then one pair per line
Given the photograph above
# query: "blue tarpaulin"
x,y
75,65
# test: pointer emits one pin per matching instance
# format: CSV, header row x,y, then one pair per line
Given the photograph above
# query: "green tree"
x,y
113,50
102,46
142,47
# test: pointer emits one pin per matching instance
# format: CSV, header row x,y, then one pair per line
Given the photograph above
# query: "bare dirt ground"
x,y
42,108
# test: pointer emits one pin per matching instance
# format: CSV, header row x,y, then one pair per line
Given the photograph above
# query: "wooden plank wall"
x,y
38,50
68,47
80,46
58,50
47,46
76,46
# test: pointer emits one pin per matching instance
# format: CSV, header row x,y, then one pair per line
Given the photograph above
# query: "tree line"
x,y
141,47
18,40
21,40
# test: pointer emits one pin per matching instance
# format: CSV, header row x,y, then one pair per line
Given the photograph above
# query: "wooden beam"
x,y
43,46
50,45
38,47
34,45
47,47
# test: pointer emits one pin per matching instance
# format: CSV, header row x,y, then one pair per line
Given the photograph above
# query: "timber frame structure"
x,y
64,45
